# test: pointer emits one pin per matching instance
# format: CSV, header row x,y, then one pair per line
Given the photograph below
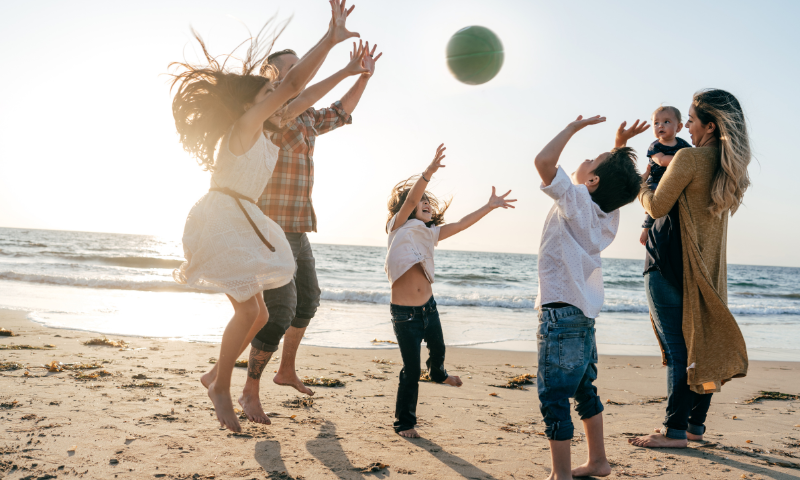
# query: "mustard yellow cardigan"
x,y
715,345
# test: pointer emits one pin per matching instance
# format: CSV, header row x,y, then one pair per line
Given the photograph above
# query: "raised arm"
x,y
546,161
623,134
351,98
313,93
418,189
251,123
495,201
679,174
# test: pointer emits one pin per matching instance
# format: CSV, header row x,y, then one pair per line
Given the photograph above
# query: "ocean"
x,y
122,284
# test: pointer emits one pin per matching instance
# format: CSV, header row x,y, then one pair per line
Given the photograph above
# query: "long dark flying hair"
x,y
399,195
210,98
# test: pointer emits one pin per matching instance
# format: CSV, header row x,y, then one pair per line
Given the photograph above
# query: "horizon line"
x,y
373,246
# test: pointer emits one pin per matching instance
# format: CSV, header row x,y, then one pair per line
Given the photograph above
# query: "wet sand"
x,y
57,426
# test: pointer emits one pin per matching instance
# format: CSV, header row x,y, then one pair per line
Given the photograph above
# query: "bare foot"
x,y
411,433
224,408
208,378
658,441
689,436
596,469
292,380
453,380
251,405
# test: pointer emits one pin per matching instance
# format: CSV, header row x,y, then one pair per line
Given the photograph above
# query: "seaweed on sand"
x,y
26,347
82,366
6,333
373,467
376,341
382,361
518,381
323,382
143,385
425,376
10,405
105,342
763,395
6,366
299,402
91,376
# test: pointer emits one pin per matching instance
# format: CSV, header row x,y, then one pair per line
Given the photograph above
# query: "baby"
x,y
666,124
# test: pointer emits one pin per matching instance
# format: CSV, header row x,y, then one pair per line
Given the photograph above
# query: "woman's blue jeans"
x,y
686,410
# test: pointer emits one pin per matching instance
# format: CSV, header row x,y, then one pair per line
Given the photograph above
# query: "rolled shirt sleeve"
x,y
331,118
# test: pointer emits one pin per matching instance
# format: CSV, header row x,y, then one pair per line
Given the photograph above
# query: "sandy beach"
x,y
150,418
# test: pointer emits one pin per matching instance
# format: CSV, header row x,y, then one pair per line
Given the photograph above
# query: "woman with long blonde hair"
x,y
229,244
700,341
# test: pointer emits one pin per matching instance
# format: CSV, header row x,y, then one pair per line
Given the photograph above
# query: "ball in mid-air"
x,y
474,55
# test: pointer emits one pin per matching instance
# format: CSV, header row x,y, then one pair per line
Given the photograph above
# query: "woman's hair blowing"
x,y
731,179
399,195
211,98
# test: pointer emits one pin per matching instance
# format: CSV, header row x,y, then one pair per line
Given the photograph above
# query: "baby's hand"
x,y
643,236
496,201
646,173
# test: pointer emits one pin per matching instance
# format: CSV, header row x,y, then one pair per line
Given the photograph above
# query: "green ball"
x,y
474,55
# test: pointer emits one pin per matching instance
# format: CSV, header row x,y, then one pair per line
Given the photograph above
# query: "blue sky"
x,y
89,141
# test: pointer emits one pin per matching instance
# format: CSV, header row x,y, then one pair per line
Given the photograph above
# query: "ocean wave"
x,y
121,261
103,282
471,300
792,296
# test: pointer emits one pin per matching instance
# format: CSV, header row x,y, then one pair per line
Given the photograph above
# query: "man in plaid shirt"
x,y
287,201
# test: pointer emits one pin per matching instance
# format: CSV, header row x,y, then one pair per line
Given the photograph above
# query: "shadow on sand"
x,y
454,462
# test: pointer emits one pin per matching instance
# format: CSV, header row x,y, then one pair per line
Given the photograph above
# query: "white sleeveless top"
x,y
409,245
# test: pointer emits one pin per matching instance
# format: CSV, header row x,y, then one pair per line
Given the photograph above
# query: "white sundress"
x,y
222,250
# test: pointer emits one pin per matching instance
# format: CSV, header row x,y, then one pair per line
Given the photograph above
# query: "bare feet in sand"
x,y
411,433
689,436
602,469
224,408
658,441
453,380
292,380
251,405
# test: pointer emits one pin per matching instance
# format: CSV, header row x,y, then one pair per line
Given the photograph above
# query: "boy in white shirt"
x,y
583,222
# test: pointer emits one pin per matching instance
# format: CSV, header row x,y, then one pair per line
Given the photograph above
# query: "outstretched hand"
x,y
337,29
356,64
436,164
623,134
581,122
370,59
500,201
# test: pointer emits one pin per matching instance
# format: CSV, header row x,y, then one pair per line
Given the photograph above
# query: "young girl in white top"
x,y
230,246
415,227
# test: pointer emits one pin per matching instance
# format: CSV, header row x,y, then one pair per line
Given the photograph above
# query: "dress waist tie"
x,y
238,196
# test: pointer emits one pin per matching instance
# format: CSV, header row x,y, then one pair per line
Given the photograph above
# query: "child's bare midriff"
x,y
412,289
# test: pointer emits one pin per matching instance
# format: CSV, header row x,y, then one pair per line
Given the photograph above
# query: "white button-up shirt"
x,y
575,232
409,245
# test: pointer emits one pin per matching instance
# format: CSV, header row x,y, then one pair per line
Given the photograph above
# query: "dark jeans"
x,y
294,303
686,410
567,368
412,325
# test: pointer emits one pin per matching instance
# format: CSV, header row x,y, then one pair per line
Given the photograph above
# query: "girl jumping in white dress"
x,y
229,244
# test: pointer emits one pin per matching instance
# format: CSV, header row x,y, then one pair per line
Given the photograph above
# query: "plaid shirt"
x,y
287,197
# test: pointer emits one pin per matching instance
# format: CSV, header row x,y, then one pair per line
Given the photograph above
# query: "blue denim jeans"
x,y
567,368
686,410
293,304
412,325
